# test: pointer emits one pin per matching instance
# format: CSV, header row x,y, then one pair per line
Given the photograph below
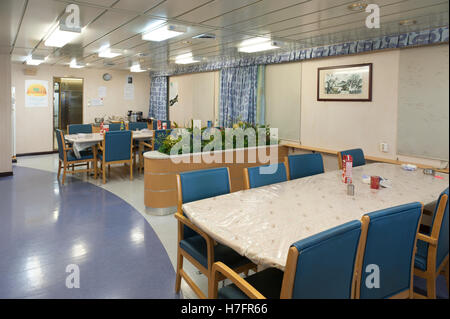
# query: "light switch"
x,y
384,147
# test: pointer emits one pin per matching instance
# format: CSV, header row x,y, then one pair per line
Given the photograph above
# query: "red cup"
x,y
375,182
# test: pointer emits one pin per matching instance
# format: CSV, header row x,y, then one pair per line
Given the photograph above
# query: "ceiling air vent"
x,y
205,36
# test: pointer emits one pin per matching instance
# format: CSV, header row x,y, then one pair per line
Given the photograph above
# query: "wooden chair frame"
x,y
104,163
142,145
69,167
432,272
181,253
286,165
287,286
406,294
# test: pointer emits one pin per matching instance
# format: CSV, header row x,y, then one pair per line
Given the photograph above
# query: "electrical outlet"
x,y
384,147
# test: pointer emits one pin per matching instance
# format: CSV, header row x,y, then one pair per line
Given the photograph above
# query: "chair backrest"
x,y
160,135
265,175
323,265
303,165
440,228
117,146
389,247
114,127
79,128
133,126
201,184
155,124
61,143
357,155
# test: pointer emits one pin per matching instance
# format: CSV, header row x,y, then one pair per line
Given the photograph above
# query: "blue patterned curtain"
x,y
238,95
158,98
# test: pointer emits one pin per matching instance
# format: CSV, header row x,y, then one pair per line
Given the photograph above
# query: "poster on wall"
x,y
128,92
173,93
36,93
345,83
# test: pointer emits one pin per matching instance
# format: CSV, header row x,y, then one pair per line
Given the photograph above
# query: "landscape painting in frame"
x,y
345,83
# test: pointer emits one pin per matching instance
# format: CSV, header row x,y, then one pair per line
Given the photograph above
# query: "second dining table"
x,y
262,223
83,141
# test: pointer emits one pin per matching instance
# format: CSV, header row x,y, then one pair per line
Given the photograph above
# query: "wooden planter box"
x,y
160,193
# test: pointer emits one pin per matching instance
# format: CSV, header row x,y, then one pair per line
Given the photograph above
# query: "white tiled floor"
x,y
132,192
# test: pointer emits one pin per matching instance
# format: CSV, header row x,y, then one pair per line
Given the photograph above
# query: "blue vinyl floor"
x,y
45,227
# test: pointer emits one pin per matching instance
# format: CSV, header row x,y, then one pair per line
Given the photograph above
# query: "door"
x,y
67,103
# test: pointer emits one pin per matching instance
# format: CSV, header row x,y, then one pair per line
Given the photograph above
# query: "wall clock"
x,y
107,76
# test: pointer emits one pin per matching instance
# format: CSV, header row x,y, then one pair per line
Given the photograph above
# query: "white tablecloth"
x,y
262,223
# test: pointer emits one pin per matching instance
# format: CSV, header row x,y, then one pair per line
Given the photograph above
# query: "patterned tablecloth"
x,y
262,223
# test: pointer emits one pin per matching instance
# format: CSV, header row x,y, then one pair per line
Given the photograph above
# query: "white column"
x,y
5,114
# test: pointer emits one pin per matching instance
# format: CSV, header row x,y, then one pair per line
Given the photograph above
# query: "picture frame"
x,y
345,83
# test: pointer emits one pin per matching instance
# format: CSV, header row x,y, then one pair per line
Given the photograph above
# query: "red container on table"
x,y
347,164
375,182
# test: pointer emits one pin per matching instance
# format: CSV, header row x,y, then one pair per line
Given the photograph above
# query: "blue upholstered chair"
x,y
133,126
155,124
390,243
264,175
159,136
193,244
319,267
79,128
67,158
303,165
432,248
116,148
114,127
357,154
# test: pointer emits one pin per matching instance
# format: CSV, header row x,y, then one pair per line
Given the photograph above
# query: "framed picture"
x,y
345,83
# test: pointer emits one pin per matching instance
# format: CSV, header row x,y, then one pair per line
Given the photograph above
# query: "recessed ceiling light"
x,y
407,22
107,52
257,45
35,59
74,65
59,37
185,59
163,33
136,67
357,6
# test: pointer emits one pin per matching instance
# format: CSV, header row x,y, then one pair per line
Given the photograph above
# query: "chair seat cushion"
x,y
267,282
196,247
84,155
420,261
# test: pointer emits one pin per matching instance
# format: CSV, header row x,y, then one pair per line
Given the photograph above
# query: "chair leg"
x,y
64,173
104,172
109,170
431,288
59,169
131,171
178,275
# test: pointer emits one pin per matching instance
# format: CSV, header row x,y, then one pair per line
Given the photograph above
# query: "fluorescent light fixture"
x,y
163,33
185,59
136,68
35,59
257,45
59,37
74,65
107,52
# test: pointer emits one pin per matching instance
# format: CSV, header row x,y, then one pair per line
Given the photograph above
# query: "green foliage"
x,y
168,142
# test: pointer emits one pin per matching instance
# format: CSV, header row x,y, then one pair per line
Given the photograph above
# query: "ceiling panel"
x,y
175,8
120,23
138,5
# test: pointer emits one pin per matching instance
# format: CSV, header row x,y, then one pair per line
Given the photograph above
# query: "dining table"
x,y
82,141
262,223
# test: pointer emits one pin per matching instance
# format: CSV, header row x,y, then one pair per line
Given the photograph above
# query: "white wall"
x,y
343,125
5,114
35,126
197,98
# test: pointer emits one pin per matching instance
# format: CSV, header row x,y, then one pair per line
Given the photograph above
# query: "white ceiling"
x,y
297,23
